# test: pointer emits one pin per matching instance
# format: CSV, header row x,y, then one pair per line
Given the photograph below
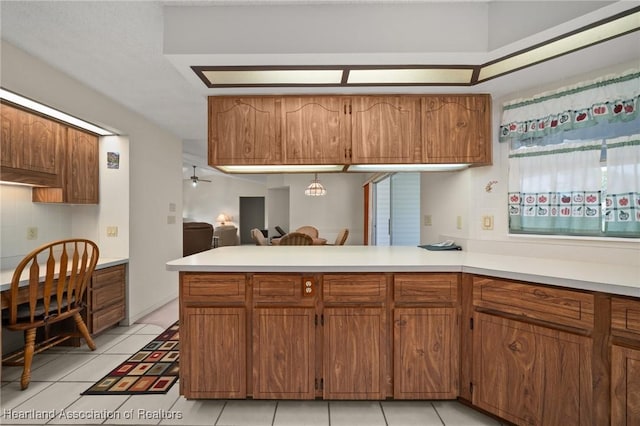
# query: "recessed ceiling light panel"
x,y
410,76
273,77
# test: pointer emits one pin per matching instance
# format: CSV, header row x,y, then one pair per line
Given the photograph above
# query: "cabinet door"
x,y
244,131
11,135
354,347
456,129
284,353
625,386
32,148
82,167
531,375
39,150
385,129
425,350
315,130
213,356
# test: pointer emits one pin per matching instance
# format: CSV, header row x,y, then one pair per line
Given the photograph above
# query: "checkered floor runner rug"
x,y
152,370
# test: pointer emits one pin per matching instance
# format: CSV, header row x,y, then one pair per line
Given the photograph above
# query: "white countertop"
x,y
7,274
609,278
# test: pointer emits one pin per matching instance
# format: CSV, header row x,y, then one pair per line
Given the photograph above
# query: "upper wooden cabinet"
x,y
315,130
385,129
456,129
32,148
349,129
244,130
61,160
80,174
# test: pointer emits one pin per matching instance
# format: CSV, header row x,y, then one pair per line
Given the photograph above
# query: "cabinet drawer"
x,y
354,288
107,295
105,318
108,276
625,317
213,287
564,307
425,288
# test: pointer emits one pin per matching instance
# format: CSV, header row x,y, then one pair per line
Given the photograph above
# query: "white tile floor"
x,y
59,375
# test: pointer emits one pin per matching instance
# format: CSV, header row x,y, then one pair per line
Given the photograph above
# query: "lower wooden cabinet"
x,y
425,353
213,355
625,386
354,347
284,353
531,375
106,304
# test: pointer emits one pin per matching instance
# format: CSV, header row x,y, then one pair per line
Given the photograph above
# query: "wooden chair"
x,y
56,276
296,239
258,237
342,237
309,230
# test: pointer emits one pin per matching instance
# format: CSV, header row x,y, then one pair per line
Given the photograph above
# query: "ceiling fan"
x,y
195,179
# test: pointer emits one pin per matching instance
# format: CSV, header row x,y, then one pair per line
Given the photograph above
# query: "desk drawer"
x,y
563,307
105,318
213,287
625,317
108,276
354,288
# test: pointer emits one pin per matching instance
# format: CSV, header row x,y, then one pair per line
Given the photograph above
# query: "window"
x,y
574,162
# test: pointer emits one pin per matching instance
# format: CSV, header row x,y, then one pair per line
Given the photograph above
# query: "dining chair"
x,y
296,239
47,287
309,230
342,237
258,237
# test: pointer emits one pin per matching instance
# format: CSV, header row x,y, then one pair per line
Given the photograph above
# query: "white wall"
x,y
154,181
207,200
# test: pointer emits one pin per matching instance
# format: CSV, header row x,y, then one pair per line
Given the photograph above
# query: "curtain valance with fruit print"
x,y
602,108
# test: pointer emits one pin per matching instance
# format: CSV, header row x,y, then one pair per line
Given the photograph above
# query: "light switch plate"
x,y
487,222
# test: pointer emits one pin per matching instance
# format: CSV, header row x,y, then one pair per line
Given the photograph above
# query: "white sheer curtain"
x,y
556,189
622,214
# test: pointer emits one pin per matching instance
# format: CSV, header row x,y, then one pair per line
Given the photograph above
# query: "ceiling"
x,y
139,53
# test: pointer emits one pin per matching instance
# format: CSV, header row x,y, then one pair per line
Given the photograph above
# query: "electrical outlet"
x,y
171,220
459,222
427,220
112,231
172,207
32,233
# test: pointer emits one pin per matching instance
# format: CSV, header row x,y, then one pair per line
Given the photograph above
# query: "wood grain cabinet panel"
x,y
553,305
625,317
221,288
213,355
281,288
425,349
32,148
385,129
456,129
349,288
531,375
315,130
244,130
354,346
625,386
426,288
284,353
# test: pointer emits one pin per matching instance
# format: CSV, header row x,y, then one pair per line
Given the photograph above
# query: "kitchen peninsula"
x,y
527,339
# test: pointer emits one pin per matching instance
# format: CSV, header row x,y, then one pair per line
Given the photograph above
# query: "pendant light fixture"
x,y
315,188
